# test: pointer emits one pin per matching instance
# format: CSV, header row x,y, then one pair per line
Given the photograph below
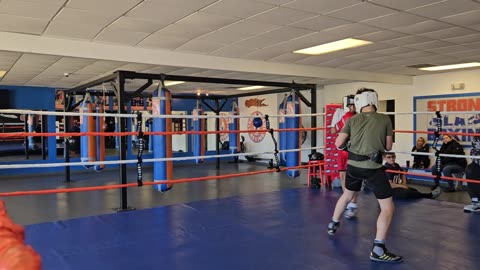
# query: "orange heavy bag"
x,y
14,255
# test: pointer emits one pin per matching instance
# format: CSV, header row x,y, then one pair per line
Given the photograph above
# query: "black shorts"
x,y
376,179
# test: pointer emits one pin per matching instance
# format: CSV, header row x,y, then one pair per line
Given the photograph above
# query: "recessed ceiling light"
x,y
170,83
456,66
334,46
2,73
255,87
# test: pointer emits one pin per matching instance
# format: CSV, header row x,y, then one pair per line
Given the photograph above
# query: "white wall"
x,y
403,95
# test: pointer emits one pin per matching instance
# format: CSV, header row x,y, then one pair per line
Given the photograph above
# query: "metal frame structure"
x,y
118,78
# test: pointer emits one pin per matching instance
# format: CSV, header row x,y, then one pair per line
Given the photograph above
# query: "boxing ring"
x,y
279,227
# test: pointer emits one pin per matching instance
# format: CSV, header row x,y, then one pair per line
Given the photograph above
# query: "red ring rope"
x,y
77,134
184,180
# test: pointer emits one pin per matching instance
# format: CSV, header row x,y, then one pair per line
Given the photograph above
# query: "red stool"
x,y
315,170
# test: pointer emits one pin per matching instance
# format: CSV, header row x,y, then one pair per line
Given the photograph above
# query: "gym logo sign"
x,y
256,136
457,122
255,102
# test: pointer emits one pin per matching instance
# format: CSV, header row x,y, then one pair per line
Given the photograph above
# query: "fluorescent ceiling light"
x,y
255,87
334,46
464,65
170,83
2,73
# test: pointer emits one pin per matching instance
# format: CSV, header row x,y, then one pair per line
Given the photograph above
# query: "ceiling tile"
x,y
377,67
286,33
31,9
163,41
429,45
416,54
7,59
136,67
362,56
319,23
384,58
193,5
275,2
320,7
450,49
312,40
465,39
107,7
236,8
373,48
269,52
200,46
335,62
157,12
475,27
350,30
119,36
423,27
183,31
100,67
445,8
82,17
207,20
282,16
73,30
404,4
465,54
407,40
289,58
473,45
186,71
224,36
233,51
357,64
314,60
464,19
257,42
10,23
210,73
395,20
360,12
381,36
162,69
448,33
133,24
251,27
393,51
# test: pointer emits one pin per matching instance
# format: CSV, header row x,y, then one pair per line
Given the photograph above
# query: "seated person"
x,y
473,172
450,165
398,182
421,161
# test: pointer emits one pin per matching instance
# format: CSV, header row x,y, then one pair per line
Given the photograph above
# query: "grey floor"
x,y
44,208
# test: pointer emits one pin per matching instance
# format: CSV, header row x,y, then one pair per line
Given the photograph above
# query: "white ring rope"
x,y
433,154
148,115
134,161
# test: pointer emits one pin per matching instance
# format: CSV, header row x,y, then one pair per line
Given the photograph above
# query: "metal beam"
x,y
265,92
141,89
136,75
303,98
81,89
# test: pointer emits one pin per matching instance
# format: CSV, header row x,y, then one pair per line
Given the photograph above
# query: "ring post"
x,y
122,147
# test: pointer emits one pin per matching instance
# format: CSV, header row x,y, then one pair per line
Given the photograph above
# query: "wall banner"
x,y
457,122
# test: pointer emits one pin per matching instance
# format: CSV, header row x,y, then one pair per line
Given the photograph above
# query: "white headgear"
x,y
348,100
365,97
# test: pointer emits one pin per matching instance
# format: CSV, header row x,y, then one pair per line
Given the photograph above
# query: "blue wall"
x,y
43,98
31,98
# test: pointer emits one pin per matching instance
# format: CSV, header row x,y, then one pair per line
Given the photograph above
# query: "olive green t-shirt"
x,y
367,133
